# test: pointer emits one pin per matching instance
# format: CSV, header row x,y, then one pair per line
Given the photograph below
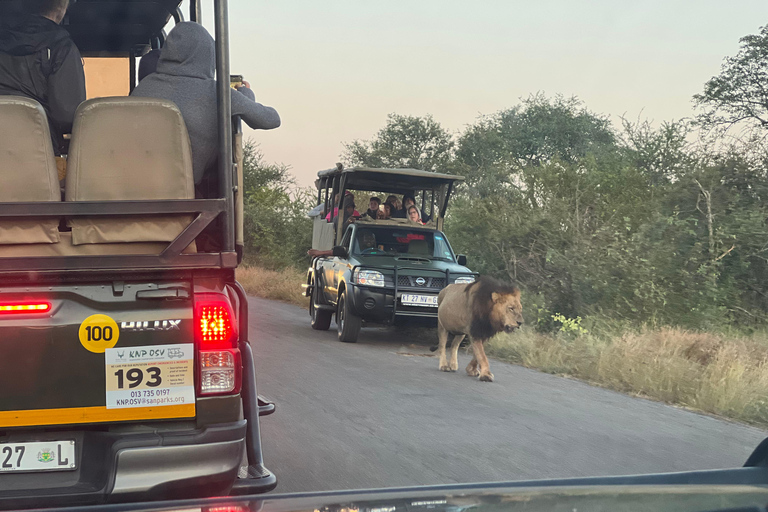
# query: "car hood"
x,y
480,498
414,265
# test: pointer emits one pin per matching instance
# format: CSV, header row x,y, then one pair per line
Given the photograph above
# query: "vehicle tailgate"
x,y
53,364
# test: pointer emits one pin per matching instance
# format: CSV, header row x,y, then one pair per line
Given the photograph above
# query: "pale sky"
x,y
334,69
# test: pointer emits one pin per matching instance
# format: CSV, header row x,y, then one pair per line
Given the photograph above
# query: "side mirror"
x,y
340,251
461,259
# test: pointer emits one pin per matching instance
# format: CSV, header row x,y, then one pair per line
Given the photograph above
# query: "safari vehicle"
x,y
381,271
125,366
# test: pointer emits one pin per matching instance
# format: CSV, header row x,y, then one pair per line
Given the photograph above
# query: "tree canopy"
x,y
739,94
405,141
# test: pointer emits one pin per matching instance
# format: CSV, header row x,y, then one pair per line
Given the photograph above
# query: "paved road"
x,y
379,414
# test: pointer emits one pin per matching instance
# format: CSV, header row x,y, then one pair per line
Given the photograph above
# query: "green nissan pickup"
x,y
381,271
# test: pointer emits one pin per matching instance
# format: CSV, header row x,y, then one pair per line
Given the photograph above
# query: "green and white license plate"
x,y
409,299
38,456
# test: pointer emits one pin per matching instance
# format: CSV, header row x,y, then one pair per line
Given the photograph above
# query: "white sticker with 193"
x,y
150,376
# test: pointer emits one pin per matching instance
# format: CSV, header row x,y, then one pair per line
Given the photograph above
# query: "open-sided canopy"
x,y
111,26
398,181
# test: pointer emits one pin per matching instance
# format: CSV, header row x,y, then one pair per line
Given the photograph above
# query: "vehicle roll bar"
x,y
224,103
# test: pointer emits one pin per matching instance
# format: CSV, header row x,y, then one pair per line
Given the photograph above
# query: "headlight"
x,y
370,278
465,280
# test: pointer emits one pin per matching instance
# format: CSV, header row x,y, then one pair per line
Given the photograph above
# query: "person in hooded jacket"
x,y
38,60
185,75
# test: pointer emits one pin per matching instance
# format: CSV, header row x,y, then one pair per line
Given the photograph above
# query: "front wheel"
x,y
347,322
320,318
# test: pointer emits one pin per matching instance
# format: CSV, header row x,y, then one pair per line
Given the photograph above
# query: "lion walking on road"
x,y
479,310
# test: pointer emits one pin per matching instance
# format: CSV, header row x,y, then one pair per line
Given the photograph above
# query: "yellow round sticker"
x,y
98,333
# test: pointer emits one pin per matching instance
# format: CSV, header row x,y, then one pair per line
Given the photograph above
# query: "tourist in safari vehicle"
x,y
386,270
125,366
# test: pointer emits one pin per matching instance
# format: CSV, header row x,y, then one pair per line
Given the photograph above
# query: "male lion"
x,y
480,310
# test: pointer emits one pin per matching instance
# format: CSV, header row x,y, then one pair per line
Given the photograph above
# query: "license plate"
x,y
429,301
39,456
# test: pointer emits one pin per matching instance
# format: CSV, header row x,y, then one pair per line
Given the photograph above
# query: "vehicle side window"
x,y
347,240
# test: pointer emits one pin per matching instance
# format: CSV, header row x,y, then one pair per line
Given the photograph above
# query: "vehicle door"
x,y
329,266
340,265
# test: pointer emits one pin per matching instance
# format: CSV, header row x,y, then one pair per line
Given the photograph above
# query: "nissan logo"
x,y
421,281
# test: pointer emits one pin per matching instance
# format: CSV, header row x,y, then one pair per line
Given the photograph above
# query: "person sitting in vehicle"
x,y
408,201
349,211
38,60
347,194
366,240
385,212
185,75
319,210
414,215
373,208
398,212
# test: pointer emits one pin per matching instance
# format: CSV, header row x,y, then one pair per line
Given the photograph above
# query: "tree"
x,y
503,150
405,141
739,94
276,227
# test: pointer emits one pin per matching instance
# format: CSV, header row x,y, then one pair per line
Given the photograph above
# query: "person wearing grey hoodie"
x,y
185,75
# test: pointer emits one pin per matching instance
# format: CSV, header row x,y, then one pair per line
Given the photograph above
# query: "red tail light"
x,y
219,365
215,325
24,307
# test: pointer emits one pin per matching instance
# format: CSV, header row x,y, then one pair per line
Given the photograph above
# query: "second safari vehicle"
x,y
380,271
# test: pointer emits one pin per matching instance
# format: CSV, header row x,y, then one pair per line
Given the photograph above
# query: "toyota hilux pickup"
x,y
125,366
381,271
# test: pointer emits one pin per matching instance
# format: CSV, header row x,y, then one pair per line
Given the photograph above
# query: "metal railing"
x,y
396,288
206,211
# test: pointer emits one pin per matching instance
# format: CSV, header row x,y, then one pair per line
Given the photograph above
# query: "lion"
x,y
479,310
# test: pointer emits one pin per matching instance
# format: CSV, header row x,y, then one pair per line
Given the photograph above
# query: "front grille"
x,y
429,282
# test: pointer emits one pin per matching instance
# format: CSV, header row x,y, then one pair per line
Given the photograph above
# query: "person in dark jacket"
x,y
38,60
185,75
373,208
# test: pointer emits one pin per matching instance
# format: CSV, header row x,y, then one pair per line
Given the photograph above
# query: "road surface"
x,y
379,414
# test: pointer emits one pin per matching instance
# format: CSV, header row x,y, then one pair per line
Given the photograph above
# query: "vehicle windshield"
x,y
401,242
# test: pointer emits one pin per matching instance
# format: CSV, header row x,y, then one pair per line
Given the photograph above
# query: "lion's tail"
x,y
434,348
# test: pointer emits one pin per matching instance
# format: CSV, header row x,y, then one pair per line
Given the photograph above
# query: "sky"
x,y
334,69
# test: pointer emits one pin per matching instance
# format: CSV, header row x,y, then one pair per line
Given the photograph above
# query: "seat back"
x,y
27,169
418,247
129,149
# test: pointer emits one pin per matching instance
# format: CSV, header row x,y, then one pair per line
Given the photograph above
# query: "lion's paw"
x,y
446,368
486,377
472,371
454,365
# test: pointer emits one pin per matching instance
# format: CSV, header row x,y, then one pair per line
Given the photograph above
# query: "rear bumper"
x,y
376,304
116,465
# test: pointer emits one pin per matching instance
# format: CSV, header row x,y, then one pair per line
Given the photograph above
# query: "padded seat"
x,y
129,149
27,169
418,247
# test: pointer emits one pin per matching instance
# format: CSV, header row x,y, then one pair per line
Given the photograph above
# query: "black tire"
x,y
347,323
320,318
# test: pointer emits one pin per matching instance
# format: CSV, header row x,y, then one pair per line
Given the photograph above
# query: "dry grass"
x,y
713,373
703,371
283,285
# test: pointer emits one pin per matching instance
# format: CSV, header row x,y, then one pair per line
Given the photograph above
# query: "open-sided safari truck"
x,y
380,271
125,367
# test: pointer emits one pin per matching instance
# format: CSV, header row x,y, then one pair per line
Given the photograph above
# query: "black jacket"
x,y
39,60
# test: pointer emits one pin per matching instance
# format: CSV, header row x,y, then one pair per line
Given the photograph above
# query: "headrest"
x,y
129,149
27,169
